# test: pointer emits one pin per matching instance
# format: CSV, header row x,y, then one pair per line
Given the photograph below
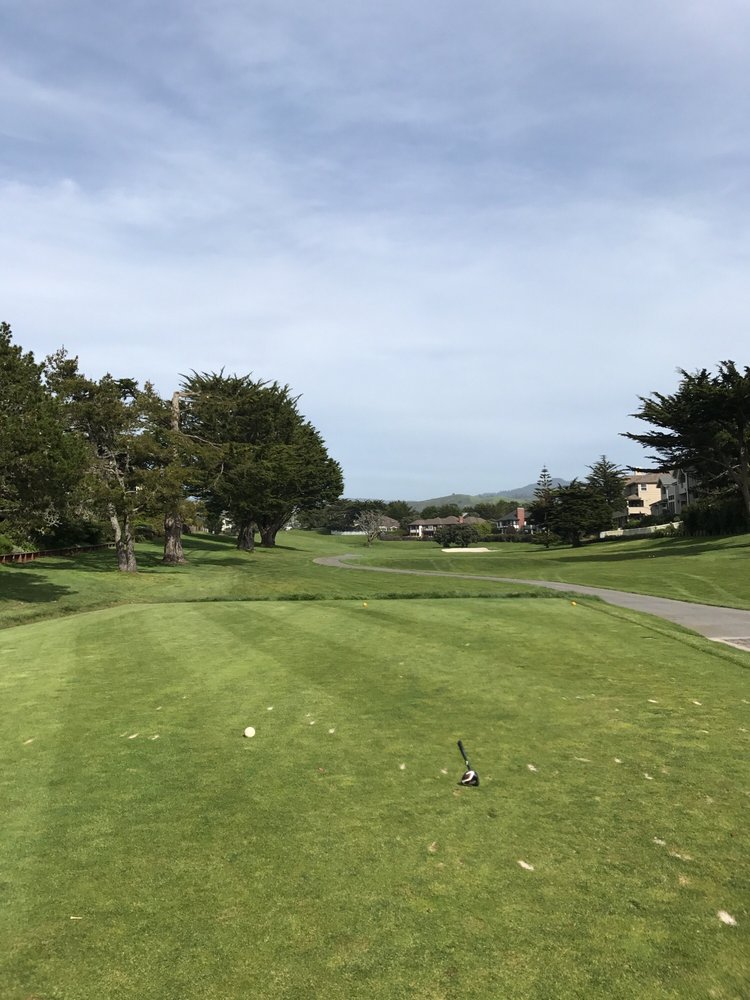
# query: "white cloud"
x,y
469,238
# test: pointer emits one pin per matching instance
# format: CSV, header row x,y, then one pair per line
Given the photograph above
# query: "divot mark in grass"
x,y
660,842
618,760
154,737
76,918
583,760
133,736
526,866
653,701
331,732
532,768
680,857
26,742
402,767
647,776
443,770
695,702
433,848
270,708
312,722
726,918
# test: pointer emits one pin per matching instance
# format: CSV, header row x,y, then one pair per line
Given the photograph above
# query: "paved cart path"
x,y
729,625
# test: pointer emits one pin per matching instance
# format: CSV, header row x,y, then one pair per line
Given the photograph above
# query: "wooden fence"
x,y
74,550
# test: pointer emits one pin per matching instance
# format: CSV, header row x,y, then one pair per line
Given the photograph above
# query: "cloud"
x,y
470,238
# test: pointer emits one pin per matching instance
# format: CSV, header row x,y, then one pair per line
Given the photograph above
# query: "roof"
x,y
438,522
388,522
645,477
511,515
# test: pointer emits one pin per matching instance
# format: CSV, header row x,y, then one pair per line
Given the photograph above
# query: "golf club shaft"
x,y
463,754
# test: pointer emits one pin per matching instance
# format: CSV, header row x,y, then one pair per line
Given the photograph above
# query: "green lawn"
x,y
216,572
200,865
707,571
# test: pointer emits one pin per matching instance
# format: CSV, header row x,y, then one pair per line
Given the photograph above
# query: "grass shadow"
x,y
22,584
675,547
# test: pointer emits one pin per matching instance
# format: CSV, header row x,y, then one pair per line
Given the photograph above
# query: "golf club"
x,y
469,777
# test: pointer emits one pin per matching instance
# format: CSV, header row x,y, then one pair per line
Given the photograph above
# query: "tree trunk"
x,y
124,545
246,537
173,553
268,534
744,472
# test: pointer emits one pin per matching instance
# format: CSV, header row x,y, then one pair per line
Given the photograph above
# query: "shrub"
x,y
68,534
460,535
6,545
715,516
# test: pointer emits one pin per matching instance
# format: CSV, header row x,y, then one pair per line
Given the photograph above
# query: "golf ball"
x,y
249,731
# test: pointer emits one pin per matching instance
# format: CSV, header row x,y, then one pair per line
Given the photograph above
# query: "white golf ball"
x,y
249,731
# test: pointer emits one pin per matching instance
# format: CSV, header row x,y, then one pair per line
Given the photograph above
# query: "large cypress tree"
x,y
41,463
255,456
703,426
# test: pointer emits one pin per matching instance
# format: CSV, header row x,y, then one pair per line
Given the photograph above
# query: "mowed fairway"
x,y
701,570
150,851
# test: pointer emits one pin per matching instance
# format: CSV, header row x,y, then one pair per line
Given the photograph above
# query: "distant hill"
x,y
466,500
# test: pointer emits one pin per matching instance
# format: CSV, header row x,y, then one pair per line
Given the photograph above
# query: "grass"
x,y
217,571
705,571
305,862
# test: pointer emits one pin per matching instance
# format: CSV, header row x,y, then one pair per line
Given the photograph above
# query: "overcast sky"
x,y
469,234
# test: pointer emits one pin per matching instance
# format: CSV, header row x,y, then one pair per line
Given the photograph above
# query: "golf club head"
x,y
469,778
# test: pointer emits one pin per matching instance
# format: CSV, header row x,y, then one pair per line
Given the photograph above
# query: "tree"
x,y
703,426
401,511
173,483
297,474
460,535
254,456
369,521
339,515
493,511
442,510
41,461
111,416
542,504
578,510
608,480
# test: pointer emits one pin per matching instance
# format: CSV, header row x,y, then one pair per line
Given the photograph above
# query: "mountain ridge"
x,y
468,499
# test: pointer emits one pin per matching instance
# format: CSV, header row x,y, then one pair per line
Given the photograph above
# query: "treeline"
x,y
76,452
583,507
703,428
345,513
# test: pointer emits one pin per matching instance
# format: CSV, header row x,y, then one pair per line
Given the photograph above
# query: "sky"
x,y
469,235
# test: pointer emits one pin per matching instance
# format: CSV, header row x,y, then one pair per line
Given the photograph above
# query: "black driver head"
x,y
469,778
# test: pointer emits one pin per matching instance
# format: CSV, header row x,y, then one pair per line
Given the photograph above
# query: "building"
x,y
514,520
426,527
642,490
